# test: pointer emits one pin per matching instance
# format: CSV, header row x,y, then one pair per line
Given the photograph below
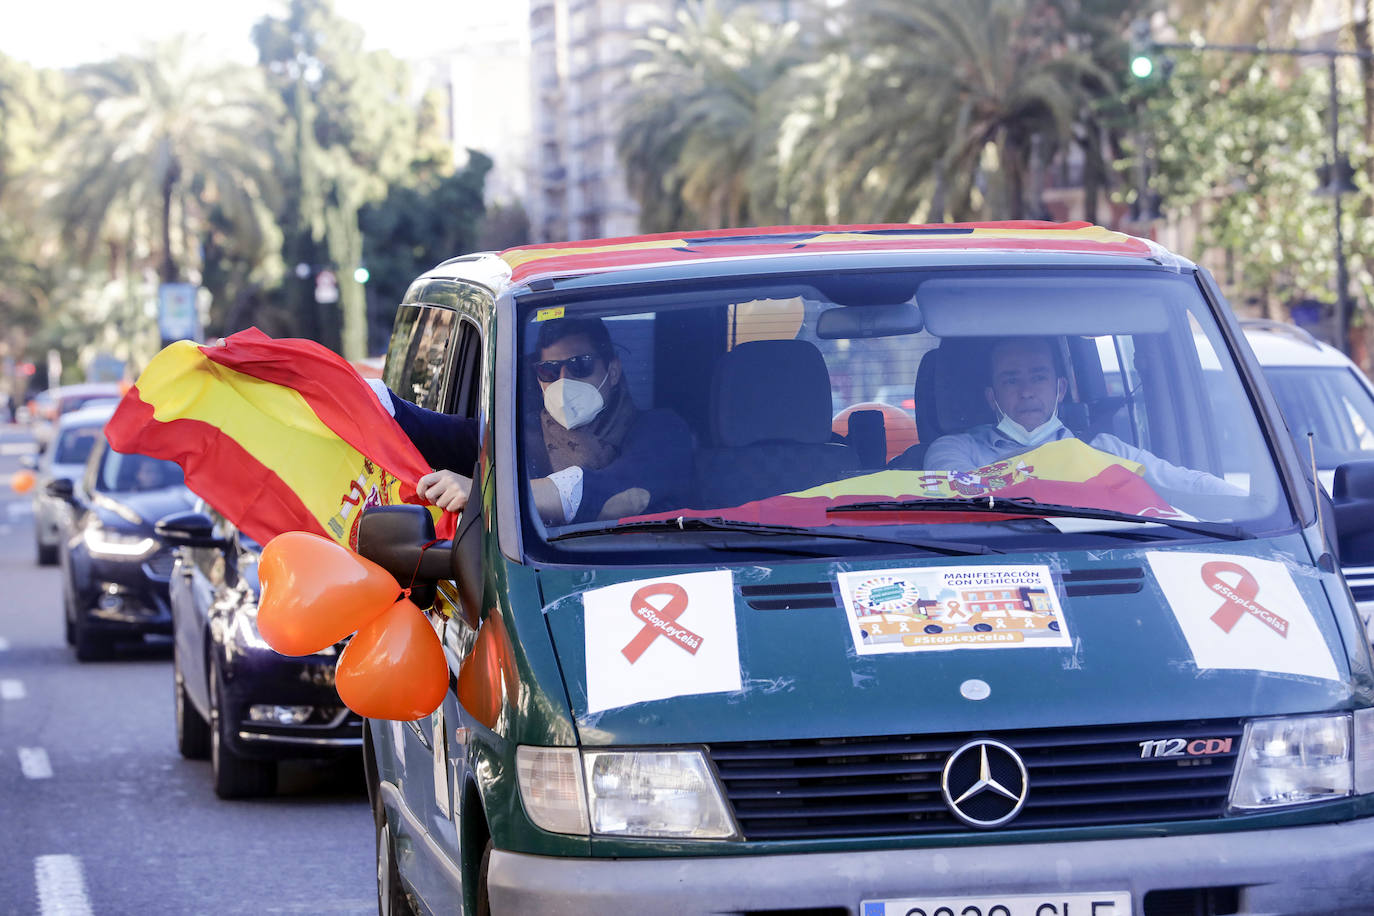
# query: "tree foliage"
x,y
159,141
699,134
954,104
415,227
1241,146
352,133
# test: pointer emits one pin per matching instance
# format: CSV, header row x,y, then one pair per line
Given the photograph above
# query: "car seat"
x,y
770,419
950,381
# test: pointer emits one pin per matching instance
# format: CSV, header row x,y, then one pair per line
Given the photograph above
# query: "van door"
x,y
449,724
438,356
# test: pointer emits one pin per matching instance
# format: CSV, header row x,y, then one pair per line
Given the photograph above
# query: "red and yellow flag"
x,y
1065,472
277,435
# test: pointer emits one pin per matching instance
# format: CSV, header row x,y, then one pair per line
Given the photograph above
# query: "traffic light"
x,y
1142,50
361,275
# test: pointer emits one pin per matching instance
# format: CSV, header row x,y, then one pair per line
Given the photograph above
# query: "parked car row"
x,y
141,557
46,407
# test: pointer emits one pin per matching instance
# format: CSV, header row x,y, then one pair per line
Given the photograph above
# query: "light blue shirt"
x,y
986,444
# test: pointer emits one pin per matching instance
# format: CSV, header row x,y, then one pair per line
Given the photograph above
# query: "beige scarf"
x,y
594,445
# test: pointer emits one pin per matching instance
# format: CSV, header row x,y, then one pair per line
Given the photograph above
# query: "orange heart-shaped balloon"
x,y
23,481
394,667
316,591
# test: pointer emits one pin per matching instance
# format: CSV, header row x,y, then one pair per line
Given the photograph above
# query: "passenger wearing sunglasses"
x,y
591,453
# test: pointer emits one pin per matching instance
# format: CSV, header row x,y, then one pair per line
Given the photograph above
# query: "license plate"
x,y
1108,903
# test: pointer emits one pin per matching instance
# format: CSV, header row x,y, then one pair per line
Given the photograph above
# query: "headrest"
x,y
771,390
950,382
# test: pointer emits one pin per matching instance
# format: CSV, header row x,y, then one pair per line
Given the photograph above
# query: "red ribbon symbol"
x,y
660,621
1240,598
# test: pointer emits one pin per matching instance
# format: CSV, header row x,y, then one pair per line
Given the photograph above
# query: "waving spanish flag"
x,y
1065,472
277,435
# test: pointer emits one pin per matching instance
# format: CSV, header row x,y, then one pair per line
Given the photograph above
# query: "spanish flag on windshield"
x,y
276,435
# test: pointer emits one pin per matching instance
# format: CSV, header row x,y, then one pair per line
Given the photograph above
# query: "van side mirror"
x,y
395,538
188,529
1352,497
61,488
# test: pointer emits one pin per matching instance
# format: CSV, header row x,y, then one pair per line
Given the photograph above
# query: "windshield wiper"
x,y
1029,507
716,523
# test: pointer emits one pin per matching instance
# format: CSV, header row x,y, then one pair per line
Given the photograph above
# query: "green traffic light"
x,y
361,275
1142,66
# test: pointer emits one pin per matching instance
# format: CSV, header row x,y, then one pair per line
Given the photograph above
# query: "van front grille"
x,y
890,786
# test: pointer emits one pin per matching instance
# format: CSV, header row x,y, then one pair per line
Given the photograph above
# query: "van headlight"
x,y
1301,759
670,794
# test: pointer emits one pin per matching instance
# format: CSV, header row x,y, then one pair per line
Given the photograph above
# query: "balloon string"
x,y
405,592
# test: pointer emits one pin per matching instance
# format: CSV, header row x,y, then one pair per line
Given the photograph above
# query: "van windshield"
x,y
906,404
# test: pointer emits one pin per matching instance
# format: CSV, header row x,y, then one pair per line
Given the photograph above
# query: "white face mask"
x,y
1038,436
574,403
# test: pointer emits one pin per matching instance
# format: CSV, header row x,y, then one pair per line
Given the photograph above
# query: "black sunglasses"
x,y
550,370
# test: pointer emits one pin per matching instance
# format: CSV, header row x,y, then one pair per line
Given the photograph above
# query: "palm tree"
x,y
163,139
921,104
700,121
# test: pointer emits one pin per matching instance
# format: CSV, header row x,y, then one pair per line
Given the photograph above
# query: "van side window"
x,y
422,345
467,375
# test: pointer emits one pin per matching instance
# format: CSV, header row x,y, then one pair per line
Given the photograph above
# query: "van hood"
x,y
1129,654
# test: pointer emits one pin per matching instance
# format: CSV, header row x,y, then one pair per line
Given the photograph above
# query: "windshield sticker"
x,y
935,608
1241,612
652,639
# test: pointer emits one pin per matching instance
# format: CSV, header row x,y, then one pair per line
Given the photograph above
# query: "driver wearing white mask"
x,y
590,453
1024,391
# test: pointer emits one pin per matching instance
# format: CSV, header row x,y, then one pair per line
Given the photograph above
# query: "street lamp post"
x,y
1336,186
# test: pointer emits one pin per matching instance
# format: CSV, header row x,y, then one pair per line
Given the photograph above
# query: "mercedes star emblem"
x,y
984,783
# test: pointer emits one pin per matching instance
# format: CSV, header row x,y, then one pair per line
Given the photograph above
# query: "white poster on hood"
x,y
1241,612
937,608
652,639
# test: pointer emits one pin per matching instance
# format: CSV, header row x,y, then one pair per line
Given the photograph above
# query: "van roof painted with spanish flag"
x,y
529,263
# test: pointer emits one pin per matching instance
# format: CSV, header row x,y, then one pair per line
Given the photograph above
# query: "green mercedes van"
x,y
730,631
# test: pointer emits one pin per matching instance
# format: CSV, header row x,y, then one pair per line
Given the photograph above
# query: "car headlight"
x,y
102,542
1301,759
244,628
666,794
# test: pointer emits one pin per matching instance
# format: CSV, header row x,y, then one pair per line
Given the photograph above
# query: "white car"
x,y
1319,391
76,433
1322,392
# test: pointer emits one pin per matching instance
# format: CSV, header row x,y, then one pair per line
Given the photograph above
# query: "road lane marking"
x,y
10,689
61,887
18,448
16,509
34,762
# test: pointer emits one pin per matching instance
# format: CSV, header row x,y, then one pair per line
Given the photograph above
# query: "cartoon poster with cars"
x,y
936,608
